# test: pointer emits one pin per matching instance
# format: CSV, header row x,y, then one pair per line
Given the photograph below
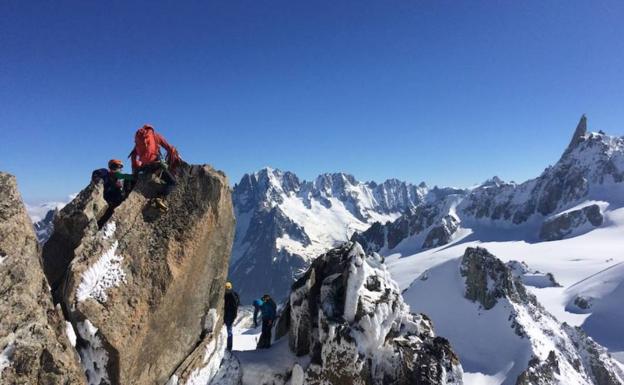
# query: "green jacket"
x,y
120,176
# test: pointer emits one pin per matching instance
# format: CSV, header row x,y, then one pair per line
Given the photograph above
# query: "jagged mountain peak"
x,y
348,316
579,133
313,216
494,181
591,170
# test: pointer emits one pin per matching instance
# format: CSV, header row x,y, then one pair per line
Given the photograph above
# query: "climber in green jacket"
x,y
117,186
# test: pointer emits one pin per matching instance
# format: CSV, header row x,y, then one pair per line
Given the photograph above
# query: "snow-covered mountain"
x,y
562,234
503,331
283,222
567,199
42,216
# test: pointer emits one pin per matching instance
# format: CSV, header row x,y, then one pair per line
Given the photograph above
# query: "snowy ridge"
x,y
568,199
346,322
504,332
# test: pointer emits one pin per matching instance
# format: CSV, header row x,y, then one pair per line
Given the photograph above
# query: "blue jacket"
x,y
267,308
256,304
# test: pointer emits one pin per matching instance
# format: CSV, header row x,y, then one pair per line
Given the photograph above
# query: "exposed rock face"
x,y
145,292
565,224
348,316
488,279
34,348
209,361
442,233
561,354
432,222
71,224
579,133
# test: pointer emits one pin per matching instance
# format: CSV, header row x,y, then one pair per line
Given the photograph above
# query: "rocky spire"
x,y
34,346
145,292
579,133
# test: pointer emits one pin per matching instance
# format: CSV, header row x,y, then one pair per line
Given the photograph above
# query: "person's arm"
x,y
135,162
121,176
162,142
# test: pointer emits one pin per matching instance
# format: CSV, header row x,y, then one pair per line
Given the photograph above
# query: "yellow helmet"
x,y
228,285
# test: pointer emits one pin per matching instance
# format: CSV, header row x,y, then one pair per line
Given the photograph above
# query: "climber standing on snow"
x,y
230,303
146,158
268,308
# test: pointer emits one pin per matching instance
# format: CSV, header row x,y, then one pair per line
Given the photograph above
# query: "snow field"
x,y
590,265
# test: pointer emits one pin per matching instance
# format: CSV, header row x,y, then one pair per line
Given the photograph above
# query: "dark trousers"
x,y
113,196
265,337
228,326
164,174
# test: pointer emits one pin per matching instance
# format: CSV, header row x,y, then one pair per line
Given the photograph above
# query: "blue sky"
x,y
449,92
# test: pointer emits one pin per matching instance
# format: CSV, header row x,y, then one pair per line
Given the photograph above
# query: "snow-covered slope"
x,y
588,267
282,222
564,231
500,330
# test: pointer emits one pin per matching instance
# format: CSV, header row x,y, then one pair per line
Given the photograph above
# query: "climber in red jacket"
x,y
146,157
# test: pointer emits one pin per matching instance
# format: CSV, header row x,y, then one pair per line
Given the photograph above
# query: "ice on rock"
x,y
6,356
109,229
104,274
71,334
348,315
93,356
215,351
297,376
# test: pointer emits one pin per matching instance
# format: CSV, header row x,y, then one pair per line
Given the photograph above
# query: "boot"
x,y
160,204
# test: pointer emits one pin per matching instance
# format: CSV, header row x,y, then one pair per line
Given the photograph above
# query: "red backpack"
x,y
146,145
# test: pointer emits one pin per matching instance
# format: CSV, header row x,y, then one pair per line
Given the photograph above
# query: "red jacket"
x,y
147,143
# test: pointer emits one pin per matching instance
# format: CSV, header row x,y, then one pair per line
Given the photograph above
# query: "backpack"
x,y
101,174
146,145
109,181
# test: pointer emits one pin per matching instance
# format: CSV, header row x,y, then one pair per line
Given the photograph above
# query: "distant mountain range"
x,y
284,222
